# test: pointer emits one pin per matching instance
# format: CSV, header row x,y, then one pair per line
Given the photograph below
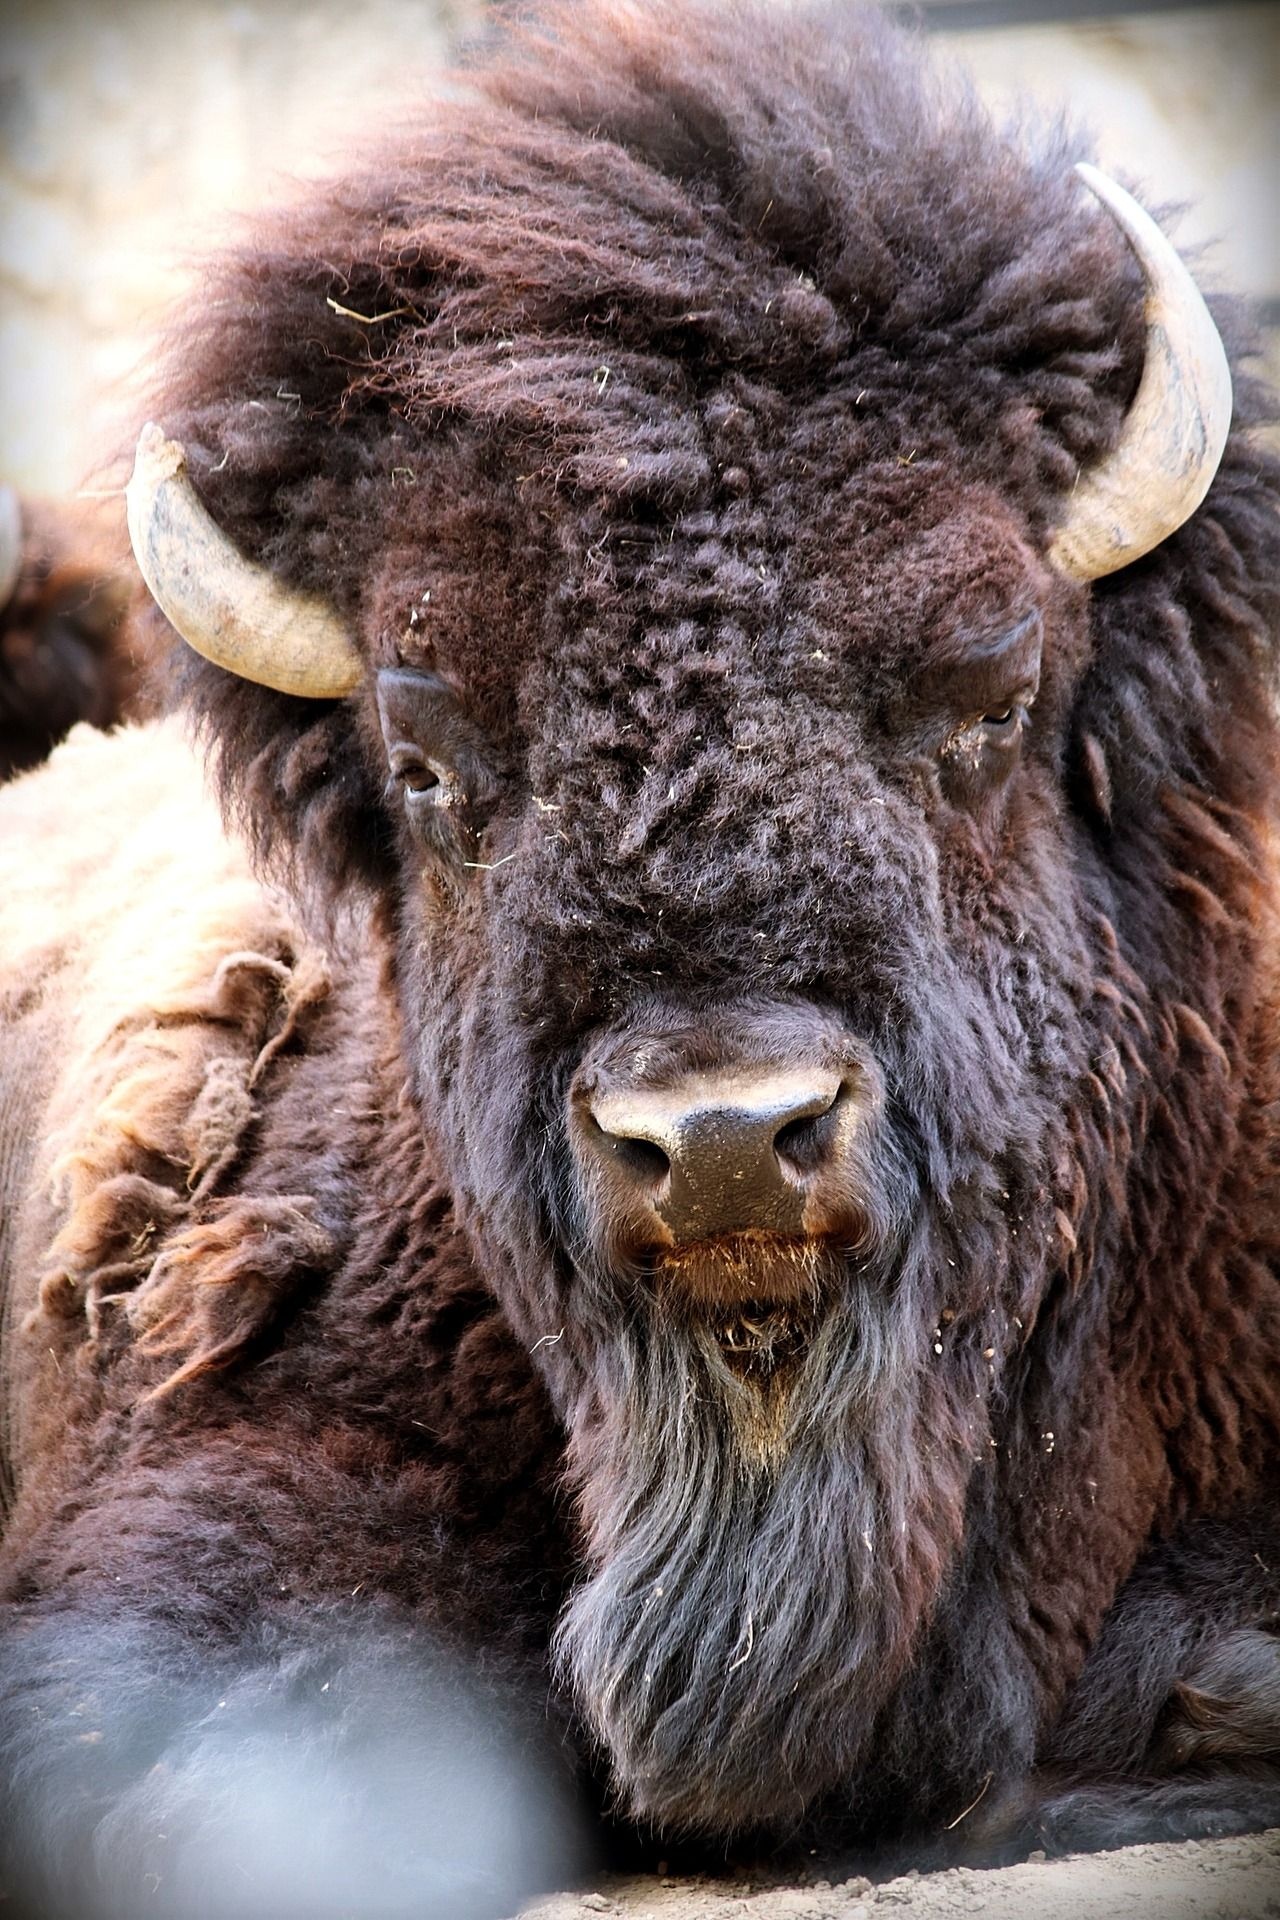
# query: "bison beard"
x,y
764,1556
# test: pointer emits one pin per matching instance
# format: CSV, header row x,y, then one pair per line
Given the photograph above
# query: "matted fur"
x,y
151,1036
694,398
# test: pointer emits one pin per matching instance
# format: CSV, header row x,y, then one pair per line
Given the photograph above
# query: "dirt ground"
x,y
1209,1880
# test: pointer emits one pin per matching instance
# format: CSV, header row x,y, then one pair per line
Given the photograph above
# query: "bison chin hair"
x,y
762,1562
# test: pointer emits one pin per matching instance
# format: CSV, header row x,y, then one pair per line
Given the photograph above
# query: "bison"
x,y
68,647
665,1225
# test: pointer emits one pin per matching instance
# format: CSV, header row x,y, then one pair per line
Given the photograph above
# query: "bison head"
x,y
675,481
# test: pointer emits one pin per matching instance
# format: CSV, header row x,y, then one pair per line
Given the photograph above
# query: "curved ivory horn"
x,y
10,544
1174,433
231,610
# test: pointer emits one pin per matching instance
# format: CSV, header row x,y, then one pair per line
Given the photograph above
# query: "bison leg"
x,y
1173,1731
1089,1819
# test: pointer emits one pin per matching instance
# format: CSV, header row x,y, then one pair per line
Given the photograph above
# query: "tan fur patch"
x,y
165,980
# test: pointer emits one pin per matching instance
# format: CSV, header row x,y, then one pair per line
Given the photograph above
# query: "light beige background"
x,y
133,131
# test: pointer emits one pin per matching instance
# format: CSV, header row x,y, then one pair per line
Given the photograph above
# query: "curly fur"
x,y
694,398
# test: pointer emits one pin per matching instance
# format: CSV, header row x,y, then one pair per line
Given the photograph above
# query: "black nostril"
x,y
641,1157
803,1144
798,1144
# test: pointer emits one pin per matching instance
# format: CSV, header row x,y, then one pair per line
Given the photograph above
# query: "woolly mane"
x,y
503,315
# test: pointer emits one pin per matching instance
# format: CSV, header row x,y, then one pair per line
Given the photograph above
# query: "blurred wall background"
x,y
133,131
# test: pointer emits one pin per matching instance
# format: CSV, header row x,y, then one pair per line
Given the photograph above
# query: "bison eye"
x,y
982,753
437,759
983,687
995,736
417,778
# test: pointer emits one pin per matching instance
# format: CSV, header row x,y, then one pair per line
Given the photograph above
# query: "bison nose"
x,y
717,1155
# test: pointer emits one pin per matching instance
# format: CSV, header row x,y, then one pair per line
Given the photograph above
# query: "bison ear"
x,y
233,612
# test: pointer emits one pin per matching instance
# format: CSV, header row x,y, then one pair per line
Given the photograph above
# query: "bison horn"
x,y
232,611
1174,433
10,544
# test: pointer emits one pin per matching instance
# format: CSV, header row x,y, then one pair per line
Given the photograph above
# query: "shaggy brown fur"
x,y
682,416
70,645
